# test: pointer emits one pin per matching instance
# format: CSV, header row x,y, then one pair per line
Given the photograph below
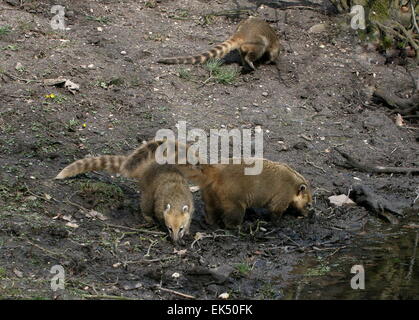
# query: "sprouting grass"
x,y
185,74
11,47
103,20
243,269
5,30
72,125
219,73
150,4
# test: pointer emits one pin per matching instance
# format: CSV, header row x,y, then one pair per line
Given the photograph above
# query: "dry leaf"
x,y
399,120
96,214
180,252
72,225
340,200
67,217
18,273
199,235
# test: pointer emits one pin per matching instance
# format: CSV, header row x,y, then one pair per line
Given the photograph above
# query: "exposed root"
x,y
351,162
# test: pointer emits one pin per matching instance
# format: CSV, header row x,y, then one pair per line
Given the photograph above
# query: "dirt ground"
x,y
317,98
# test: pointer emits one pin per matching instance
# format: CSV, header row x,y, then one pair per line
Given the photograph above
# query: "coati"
x,y
165,193
254,38
227,191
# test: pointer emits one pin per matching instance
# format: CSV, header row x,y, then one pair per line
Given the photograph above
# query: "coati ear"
x,y
302,188
185,209
167,208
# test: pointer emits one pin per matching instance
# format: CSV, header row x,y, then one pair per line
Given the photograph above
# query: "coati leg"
x,y
251,52
147,208
277,212
273,56
233,215
212,211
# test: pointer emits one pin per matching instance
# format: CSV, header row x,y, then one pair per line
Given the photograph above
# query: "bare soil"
x,y
317,98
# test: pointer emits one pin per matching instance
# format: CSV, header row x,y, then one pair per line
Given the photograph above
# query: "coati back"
x,y
165,193
254,38
227,191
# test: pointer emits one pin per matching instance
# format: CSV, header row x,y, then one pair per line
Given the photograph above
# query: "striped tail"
x,y
139,160
217,52
110,164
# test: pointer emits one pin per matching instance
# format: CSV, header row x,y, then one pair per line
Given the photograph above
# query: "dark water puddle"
x,y
390,259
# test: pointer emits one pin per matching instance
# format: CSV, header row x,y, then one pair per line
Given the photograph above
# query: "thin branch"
x,y
175,292
415,23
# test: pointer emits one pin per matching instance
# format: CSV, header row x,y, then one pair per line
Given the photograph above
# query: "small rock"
x,y
224,296
317,28
19,66
300,145
132,285
123,53
222,273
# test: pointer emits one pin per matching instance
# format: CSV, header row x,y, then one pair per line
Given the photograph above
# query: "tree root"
x,y
352,163
402,106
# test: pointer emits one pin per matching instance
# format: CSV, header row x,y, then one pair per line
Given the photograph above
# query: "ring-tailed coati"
x,y
254,38
165,193
227,191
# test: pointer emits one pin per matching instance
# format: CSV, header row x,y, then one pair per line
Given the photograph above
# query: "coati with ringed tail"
x,y
227,191
254,38
165,193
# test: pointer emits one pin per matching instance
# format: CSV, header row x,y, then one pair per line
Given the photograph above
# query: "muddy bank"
x,y
318,99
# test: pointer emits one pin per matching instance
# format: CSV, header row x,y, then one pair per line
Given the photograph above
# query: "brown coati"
x,y
165,192
254,38
227,191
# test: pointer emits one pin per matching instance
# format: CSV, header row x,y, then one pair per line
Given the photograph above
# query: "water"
x,y
390,259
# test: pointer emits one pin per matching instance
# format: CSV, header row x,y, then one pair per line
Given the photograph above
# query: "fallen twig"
x,y
175,292
104,296
412,260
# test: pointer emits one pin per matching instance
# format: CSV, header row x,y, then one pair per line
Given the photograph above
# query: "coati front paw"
x,y
149,220
210,219
276,219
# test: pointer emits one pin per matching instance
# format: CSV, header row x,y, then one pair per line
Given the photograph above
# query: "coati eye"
x,y
302,188
170,229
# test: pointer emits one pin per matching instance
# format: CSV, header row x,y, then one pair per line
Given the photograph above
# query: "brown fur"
x,y
165,193
227,191
254,38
